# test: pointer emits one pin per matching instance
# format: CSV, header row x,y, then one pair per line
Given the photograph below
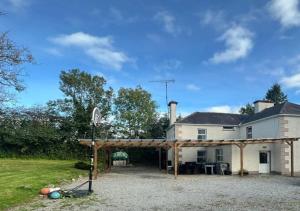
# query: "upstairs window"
x,y
201,134
201,156
249,132
228,127
219,155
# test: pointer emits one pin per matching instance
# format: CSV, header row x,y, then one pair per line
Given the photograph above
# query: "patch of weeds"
x,y
220,195
70,202
36,205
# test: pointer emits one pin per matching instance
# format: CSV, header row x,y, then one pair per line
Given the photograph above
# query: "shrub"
x,y
82,165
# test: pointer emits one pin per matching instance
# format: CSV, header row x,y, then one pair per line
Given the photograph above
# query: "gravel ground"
x,y
138,188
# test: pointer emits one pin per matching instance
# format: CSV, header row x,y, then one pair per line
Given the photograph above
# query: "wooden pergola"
x,y
108,144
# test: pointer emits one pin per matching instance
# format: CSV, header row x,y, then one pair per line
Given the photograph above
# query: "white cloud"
x,y
154,37
108,57
238,42
116,14
223,109
275,72
100,49
168,21
109,79
19,4
192,87
285,11
168,65
53,51
292,81
81,39
295,60
166,69
216,19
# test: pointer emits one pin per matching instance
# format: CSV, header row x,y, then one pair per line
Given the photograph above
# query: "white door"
x,y
264,162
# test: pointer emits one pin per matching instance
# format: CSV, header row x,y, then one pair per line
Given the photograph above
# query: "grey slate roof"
x,y
283,108
213,118
236,119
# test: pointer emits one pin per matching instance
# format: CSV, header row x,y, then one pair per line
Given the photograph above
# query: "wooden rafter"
x,y
176,144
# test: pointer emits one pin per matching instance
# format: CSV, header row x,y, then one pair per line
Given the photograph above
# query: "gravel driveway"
x,y
138,188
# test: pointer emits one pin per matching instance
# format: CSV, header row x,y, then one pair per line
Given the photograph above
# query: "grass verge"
x,y
21,180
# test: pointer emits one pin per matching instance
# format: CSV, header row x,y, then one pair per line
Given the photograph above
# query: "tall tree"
x,y
12,58
83,92
275,94
134,112
247,109
159,127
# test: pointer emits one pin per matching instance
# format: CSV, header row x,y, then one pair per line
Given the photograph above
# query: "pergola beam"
x,y
175,144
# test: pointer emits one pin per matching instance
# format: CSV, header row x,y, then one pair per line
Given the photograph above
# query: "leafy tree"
x,y
52,131
12,58
247,109
159,127
275,94
82,93
134,112
30,132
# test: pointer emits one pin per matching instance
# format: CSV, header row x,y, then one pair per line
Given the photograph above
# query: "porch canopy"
x,y
108,144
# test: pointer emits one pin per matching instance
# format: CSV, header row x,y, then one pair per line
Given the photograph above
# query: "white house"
x,y
269,121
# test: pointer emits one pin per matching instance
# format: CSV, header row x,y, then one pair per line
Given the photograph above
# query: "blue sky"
x,y
220,54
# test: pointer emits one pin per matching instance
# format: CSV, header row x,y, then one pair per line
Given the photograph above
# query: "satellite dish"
x,y
96,117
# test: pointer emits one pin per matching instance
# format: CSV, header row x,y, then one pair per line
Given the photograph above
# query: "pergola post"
x,y
291,143
106,160
167,152
176,144
241,146
109,159
159,158
175,160
95,167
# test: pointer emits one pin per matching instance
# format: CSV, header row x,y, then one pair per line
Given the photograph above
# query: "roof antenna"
x,y
166,82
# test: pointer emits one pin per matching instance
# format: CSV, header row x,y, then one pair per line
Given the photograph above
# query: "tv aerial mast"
x,y
166,82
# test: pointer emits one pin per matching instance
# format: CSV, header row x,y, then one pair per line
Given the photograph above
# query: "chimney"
x,y
260,105
172,108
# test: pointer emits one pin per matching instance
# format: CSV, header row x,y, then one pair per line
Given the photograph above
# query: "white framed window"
x,y
219,155
249,132
201,156
201,134
228,127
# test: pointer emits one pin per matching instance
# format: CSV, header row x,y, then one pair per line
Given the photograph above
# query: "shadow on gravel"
x,y
152,177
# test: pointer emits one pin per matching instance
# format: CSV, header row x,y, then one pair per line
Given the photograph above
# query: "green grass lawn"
x,y
21,180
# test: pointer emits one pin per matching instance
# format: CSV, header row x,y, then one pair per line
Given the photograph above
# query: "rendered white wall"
x,y
267,128
189,154
213,132
251,157
171,133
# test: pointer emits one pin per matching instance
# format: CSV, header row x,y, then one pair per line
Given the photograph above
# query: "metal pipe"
x,y
92,159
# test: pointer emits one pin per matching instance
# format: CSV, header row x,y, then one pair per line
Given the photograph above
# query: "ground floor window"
x,y
219,155
201,156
